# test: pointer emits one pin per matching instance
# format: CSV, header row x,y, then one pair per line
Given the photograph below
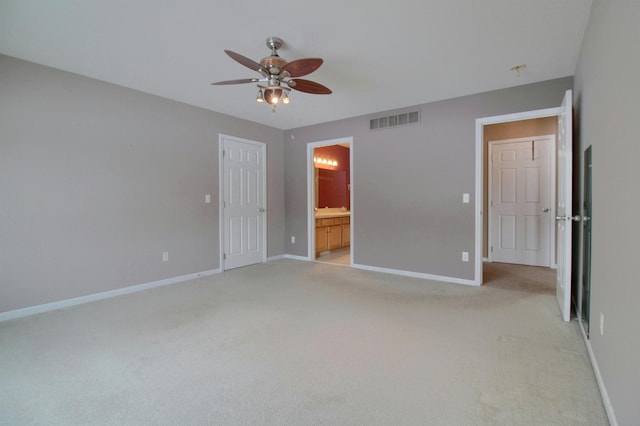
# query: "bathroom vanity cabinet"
x,y
332,233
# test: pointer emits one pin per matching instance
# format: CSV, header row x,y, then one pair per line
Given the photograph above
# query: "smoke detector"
x,y
518,69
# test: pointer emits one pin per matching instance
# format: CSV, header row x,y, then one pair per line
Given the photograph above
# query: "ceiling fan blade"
x,y
301,67
308,86
249,63
240,81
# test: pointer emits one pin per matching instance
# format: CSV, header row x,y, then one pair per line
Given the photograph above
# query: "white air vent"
x,y
395,120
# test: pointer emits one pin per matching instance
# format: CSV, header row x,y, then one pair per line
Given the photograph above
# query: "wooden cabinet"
x,y
322,238
332,233
346,231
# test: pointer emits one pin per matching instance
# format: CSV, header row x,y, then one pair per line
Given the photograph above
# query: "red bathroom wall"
x,y
334,186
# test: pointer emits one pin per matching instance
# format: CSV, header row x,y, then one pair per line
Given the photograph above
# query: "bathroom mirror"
x,y
331,189
332,176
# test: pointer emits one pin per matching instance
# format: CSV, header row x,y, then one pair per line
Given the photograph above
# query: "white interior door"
x,y
243,202
521,201
564,207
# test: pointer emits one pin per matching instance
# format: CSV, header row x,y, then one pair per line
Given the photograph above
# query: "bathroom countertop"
x,y
322,214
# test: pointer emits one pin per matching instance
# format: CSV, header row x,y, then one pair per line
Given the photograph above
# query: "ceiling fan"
x,y
278,75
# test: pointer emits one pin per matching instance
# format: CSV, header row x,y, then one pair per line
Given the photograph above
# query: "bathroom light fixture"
x,y
325,161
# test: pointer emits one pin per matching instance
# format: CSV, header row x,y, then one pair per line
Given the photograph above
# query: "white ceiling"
x,y
379,55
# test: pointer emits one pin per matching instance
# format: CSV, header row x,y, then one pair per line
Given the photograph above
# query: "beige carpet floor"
x,y
530,279
301,343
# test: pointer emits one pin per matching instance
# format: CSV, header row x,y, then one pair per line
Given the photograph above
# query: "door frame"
x,y
552,192
221,182
311,219
584,282
479,193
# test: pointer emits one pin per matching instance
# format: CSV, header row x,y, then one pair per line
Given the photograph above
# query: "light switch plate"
x,y
465,198
207,198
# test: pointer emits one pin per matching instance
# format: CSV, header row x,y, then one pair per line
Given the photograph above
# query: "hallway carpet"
x,y
300,343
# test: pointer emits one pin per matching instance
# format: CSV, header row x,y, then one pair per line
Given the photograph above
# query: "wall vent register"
x,y
395,120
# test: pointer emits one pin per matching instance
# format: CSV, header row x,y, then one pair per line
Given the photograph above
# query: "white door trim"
x,y
552,191
221,227
311,235
480,123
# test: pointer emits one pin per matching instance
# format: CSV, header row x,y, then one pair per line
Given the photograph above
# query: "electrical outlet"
x,y
165,256
293,239
465,256
601,323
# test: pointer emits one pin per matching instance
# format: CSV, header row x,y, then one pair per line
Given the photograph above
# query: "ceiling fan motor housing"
x,y
273,64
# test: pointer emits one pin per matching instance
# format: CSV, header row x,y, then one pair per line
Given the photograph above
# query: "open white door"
x,y
564,208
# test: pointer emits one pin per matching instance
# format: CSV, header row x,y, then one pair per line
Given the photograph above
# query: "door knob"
x,y
545,209
260,210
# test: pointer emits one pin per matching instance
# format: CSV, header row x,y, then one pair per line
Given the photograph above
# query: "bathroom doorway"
x,y
330,196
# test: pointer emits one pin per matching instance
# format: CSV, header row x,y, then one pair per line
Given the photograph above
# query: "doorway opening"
x,y
511,126
330,201
564,201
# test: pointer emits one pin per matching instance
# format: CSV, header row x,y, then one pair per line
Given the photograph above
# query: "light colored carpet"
x,y
300,343
530,279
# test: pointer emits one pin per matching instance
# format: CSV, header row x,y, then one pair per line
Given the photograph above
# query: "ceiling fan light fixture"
x,y
272,96
285,98
260,97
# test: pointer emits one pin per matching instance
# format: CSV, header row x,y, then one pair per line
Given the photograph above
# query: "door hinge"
x,y
224,256
224,152
491,249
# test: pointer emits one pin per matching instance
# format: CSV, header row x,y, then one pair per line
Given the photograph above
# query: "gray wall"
x,y
408,181
96,181
606,97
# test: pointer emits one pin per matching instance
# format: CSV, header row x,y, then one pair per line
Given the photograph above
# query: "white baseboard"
x,y
596,370
417,275
291,256
396,272
38,309
273,258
